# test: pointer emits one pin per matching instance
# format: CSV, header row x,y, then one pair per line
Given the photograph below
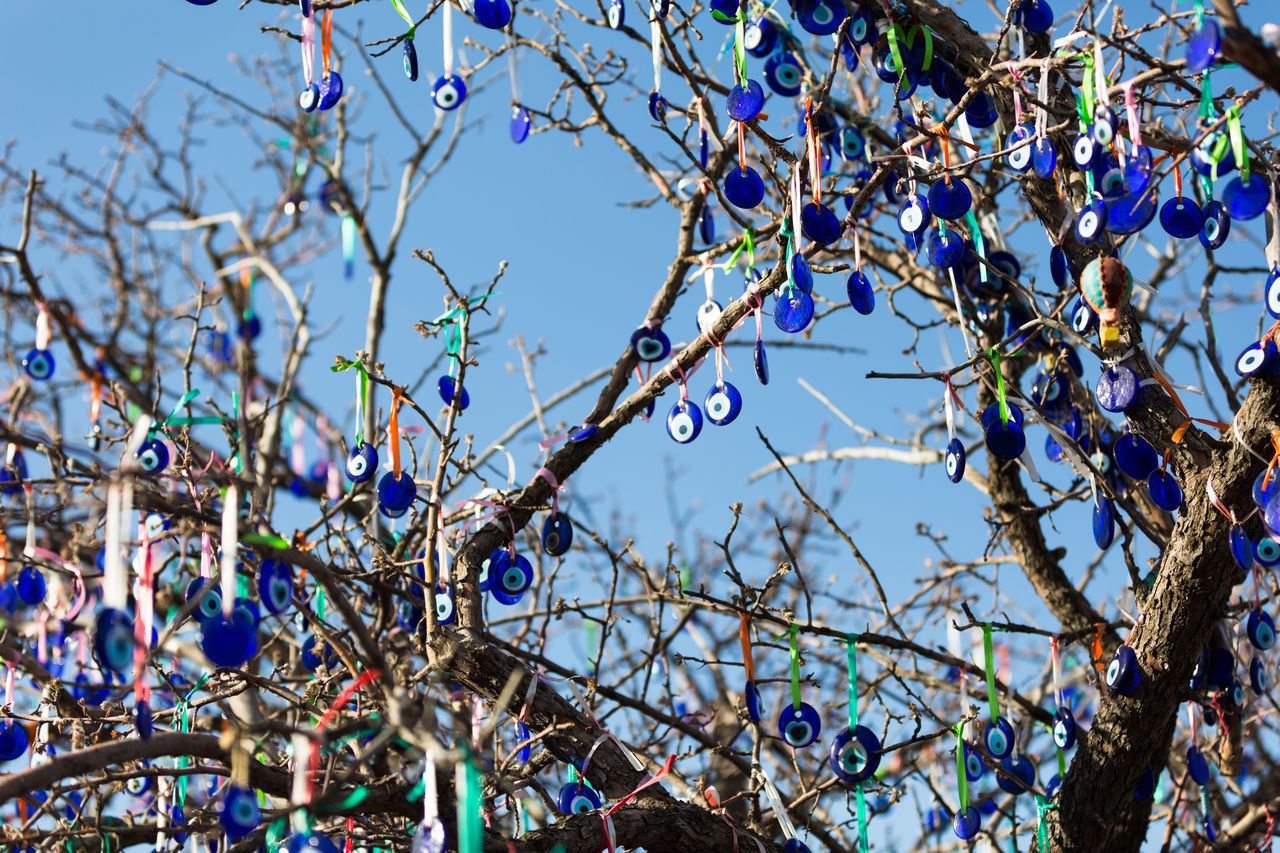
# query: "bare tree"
x,y
190,662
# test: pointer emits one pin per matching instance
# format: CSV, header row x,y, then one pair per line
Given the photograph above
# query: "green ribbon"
x,y
1199,4
470,829
355,798
979,243
1207,110
1237,142
794,631
268,540
1086,93
897,52
961,776
452,332
851,644
739,55
996,358
404,13
182,711
1042,830
993,702
362,393
749,245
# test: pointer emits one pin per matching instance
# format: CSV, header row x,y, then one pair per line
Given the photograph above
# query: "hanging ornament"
x,y
310,97
799,723
1106,284
331,82
38,362
449,90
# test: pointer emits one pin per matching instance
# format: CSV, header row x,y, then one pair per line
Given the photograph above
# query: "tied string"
x,y
556,488
747,245
451,320
393,429
996,358
313,765
607,817
811,144
143,621
362,393
794,641
962,779
851,649
744,638
988,658
1057,690
34,553
1016,74
979,243
722,359
326,40
497,509
404,13
184,714
1042,829
1131,111
1178,433
308,46
683,381
1237,142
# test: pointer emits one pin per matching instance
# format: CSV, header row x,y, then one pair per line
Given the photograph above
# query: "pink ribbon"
x,y
308,46
556,488
606,818
1131,110
41,554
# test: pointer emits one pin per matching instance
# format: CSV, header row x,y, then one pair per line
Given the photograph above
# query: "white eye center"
x,y
1089,223
719,404
682,426
752,37
356,465
1084,149
1211,229
1113,672
1251,360
953,462
911,218
1102,132
1019,159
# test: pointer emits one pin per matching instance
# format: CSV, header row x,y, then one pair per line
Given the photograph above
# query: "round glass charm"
x,y
997,737
743,187
650,344
38,364
1117,388
330,91
745,101
520,125
448,93
782,74
684,421
723,403
950,201
1020,140
1246,196
820,224
1137,169
492,14
410,55
793,311
1044,158
452,393
238,811
1202,47
557,534
616,14
362,463
577,798
954,460
153,457
309,99
855,755
1216,226
914,216
275,586
1181,218
799,727
1165,491
861,295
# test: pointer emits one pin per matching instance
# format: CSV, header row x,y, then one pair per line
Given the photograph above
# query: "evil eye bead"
x,y
745,101
950,201
862,28
153,457
1129,214
1004,440
954,461
1035,16
981,111
617,14
1064,729
308,842
275,586
853,145
577,798
1117,388
782,74
1256,359
557,534
1265,488
521,122
1019,775
238,811
820,224
448,93
1135,456
657,106
511,583
1165,491
1181,218
1083,318
743,187
330,90
1258,679
793,311
1246,197
650,345
1020,141
1137,169
723,403
1273,293
684,421
396,494
914,216
1122,673
31,586
1044,157
1197,766
1267,552
861,296
824,19
38,364
13,740
965,823
760,362
1202,47
136,786
1092,221
760,37
855,755
1104,126
945,248
317,653
799,727
410,54
229,641
113,640
1261,630
997,737
974,766
362,463
1104,523
751,695
446,607
1085,150
206,595
492,14
1216,226
452,393
1242,548
309,99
